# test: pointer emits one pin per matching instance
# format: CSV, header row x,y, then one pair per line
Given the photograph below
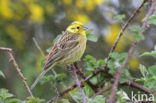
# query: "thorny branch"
x,y
12,59
73,69
115,85
128,83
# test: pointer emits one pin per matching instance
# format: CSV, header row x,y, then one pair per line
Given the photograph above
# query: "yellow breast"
x,y
76,53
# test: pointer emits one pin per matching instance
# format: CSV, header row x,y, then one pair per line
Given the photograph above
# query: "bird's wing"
x,y
64,44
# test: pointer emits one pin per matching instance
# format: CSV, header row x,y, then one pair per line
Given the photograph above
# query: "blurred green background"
x,y
21,20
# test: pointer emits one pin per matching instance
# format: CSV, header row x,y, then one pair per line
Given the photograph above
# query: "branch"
x,y
38,47
123,29
128,83
101,91
71,67
136,85
74,85
9,50
150,12
115,85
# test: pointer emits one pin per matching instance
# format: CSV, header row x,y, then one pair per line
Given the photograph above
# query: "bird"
x,y
67,49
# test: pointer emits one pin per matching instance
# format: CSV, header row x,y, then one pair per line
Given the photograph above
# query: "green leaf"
x,y
92,37
89,31
60,77
137,32
1,74
118,56
152,21
119,17
48,50
112,67
143,70
137,29
153,16
90,63
45,79
14,101
42,61
97,99
94,80
139,37
62,101
152,53
125,76
101,63
4,94
152,70
150,81
88,90
34,100
77,96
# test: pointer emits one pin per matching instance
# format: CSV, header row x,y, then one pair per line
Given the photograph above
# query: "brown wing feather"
x,y
66,42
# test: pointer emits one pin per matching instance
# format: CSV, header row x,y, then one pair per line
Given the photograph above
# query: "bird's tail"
x,y
38,78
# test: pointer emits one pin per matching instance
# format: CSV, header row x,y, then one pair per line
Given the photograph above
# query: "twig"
x,y
136,85
74,85
38,47
62,93
149,13
128,83
9,50
69,92
71,67
115,85
101,91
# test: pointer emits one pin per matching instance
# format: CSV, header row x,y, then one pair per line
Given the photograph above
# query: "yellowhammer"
x,y
67,49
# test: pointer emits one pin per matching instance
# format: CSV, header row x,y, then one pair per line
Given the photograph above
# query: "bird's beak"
x,y
85,28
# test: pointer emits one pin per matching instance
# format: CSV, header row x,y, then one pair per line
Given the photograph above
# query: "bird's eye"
x,y
78,27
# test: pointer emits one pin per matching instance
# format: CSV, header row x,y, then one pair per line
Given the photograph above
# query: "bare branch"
x,y
136,85
128,83
38,47
71,67
9,50
101,91
150,12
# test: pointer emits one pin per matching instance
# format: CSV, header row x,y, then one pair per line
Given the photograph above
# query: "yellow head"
x,y
76,27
